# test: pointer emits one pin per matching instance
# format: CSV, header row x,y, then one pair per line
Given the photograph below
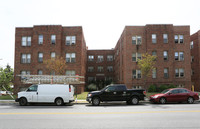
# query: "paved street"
x,y
111,116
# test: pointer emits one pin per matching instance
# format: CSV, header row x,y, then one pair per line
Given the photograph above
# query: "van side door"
x,y
32,93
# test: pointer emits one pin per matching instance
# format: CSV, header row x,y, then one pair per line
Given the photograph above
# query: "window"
x,y
137,74
26,58
53,55
26,41
99,58
180,86
40,57
91,79
178,38
40,72
179,72
70,57
90,58
191,45
192,58
40,39
91,69
110,68
166,72
109,57
175,91
165,38
52,73
32,88
154,53
100,69
53,39
165,55
137,87
154,72
192,72
153,37
179,56
70,73
136,56
137,40
24,73
70,40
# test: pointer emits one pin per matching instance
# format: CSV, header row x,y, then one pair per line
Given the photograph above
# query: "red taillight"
x,y
144,92
70,88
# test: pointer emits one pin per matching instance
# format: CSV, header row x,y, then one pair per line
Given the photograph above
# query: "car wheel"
x,y
190,100
134,100
95,101
162,100
59,102
23,102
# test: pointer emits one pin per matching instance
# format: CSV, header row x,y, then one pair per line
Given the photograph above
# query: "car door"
x,y
31,93
109,94
183,94
173,96
120,93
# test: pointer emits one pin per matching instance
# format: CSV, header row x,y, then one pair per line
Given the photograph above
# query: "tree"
x,y
6,78
146,64
57,64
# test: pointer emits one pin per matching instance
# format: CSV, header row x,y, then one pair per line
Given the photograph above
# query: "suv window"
x,y
32,88
175,91
121,88
110,89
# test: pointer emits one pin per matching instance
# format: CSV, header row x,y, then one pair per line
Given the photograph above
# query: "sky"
x,y
102,20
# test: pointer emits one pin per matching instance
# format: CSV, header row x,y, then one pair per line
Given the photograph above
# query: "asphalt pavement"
x,y
116,115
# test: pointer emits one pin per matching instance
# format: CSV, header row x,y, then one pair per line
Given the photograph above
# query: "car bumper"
x,y
154,100
89,99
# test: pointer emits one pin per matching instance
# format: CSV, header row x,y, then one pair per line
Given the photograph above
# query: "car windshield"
x,y
164,91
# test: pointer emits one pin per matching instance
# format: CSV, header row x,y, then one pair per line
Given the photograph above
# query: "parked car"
x,y
3,93
116,92
47,93
175,95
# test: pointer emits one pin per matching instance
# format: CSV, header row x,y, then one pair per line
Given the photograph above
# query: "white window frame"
x,y
178,57
110,68
70,73
90,69
138,74
40,57
70,57
137,56
90,57
154,73
154,38
26,41
70,40
137,40
100,58
165,38
25,58
178,71
53,55
53,39
166,72
40,39
100,69
109,57
165,55
178,39
191,45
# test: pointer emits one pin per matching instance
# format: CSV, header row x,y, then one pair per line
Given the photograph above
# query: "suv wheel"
x,y
59,102
134,100
23,102
162,100
95,101
190,100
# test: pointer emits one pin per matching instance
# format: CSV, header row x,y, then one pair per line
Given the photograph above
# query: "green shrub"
x,y
91,87
152,88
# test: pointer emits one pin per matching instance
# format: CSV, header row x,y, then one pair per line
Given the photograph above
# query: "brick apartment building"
x,y
35,44
100,66
171,45
195,52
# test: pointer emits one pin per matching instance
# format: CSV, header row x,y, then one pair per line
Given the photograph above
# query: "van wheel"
x,y
59,102
23,102
95,101
134,100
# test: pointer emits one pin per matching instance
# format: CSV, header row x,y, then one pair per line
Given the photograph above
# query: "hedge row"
x,y
155,88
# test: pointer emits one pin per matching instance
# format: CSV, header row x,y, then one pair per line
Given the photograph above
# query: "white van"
x,y
47,93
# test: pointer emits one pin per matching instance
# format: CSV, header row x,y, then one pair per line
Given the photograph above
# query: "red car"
x,y
175,95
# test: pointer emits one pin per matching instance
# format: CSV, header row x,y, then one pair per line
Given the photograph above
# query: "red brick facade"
x,y
60,48
122,68
124,49
195,51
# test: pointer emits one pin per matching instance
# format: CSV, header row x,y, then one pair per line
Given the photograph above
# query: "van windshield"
x,y
32,88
